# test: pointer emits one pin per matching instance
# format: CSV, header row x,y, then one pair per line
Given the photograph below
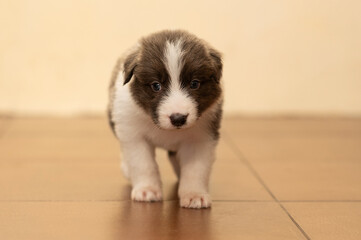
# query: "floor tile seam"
x,y
242,158
294,221
248,165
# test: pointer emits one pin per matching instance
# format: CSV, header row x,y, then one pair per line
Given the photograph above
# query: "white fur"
x,y
173,59
139,136
178,101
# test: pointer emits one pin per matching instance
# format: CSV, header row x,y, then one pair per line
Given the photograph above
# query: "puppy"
x,y
166,92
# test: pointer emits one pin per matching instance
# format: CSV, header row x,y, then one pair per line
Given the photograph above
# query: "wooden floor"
x,y
273,179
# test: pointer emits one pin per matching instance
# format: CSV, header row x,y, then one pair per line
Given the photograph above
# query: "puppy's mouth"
x,y
180,128
174,128
170,127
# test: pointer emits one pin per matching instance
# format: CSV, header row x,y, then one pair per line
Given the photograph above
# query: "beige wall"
x,y
281,57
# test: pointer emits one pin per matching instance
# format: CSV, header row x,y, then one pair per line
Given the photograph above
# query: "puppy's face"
x,y
174,77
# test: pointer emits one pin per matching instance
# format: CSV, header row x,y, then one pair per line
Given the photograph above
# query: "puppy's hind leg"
x,y
124,167
175,162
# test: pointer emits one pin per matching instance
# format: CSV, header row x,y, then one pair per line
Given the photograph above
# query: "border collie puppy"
x,y
166,92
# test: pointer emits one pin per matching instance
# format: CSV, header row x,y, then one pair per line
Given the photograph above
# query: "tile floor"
x,y
273,179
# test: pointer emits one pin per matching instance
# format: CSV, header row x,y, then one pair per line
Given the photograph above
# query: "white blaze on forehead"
x,y
173,60
177,99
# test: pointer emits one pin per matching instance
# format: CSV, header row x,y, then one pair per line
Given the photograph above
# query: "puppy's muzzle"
x,y
178,119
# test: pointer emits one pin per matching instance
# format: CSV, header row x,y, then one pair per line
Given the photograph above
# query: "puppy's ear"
x,y
130,64
217,61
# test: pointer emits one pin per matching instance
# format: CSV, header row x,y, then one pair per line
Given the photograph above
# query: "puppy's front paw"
x,y
147,194
195,200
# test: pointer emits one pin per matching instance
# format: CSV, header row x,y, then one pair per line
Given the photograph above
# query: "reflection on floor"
x,y
273,179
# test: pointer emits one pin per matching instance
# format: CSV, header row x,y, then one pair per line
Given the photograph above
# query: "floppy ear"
x,y
217,61
129,65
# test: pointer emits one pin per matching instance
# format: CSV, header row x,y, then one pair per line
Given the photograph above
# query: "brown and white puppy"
x,y
166,93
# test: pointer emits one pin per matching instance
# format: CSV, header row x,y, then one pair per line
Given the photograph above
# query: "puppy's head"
x,y
174,77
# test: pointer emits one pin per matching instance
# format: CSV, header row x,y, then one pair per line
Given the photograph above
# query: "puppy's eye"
x,y
156,87
195,84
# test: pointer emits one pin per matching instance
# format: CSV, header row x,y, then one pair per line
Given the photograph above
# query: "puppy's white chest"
x,y
169,140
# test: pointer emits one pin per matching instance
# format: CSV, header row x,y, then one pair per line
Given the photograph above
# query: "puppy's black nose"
x,y
178,119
